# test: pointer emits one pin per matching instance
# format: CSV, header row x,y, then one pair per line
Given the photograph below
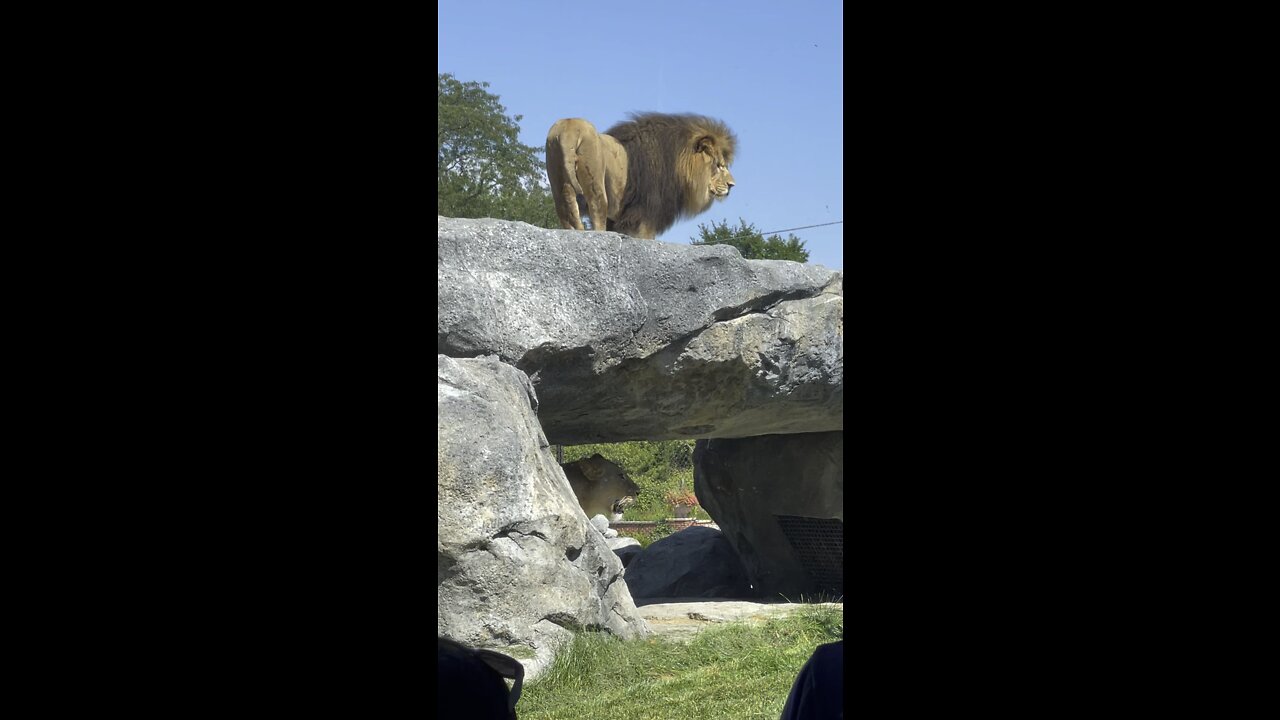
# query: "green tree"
x,y
482,170
751,243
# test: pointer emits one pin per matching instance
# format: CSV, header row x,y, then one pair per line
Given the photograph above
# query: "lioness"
x,y
602,487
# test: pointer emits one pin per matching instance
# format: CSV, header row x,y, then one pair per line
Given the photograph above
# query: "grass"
x,y
649,537
661,512
737,672
822,596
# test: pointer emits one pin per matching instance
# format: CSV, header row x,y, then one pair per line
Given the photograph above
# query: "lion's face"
x,y
621,505
721,180
715,166
602,488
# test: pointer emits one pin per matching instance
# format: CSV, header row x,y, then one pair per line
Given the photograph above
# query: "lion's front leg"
x,y
646,231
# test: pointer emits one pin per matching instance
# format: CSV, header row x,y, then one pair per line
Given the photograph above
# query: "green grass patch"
x,y
738,671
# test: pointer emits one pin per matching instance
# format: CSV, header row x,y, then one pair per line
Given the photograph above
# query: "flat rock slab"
x,y
627,339
681,621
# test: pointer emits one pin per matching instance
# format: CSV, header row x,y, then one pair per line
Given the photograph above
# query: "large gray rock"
x,y
696,562
600,522
519,567
629,339
627,549
780,501
617,543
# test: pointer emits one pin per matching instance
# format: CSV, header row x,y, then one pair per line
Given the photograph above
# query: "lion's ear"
x,y
592,470
706,144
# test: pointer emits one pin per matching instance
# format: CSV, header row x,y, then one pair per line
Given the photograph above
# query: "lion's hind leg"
x,y
566,200
590,169
563,193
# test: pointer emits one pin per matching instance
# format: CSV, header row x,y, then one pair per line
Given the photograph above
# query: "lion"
x,y
602,487
587,171
642,174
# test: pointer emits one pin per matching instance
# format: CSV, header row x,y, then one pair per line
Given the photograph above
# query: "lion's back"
x,y
570,129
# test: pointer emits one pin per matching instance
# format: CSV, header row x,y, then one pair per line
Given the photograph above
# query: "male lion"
x,y
602,488
643,174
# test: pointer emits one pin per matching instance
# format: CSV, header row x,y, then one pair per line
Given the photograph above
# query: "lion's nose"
x,y
730,183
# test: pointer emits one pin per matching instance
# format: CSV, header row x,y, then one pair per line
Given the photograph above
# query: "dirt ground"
x,y
681,619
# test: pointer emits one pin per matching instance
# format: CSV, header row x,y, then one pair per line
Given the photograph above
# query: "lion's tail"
x,y
571,165
562,151
562,159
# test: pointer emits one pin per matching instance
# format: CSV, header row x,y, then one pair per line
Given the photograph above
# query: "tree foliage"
x,y
482,168
751,243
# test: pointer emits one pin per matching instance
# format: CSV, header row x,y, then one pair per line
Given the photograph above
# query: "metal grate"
x,y
819,543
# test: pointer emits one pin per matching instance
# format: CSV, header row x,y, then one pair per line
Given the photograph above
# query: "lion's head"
x,y
602,487
677,166
710,161
644,174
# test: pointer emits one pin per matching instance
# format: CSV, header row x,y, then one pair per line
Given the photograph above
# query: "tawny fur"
x,y
599,485
644,174
582,162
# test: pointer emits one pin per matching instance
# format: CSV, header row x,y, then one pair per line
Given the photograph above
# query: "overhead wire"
x,y
775,232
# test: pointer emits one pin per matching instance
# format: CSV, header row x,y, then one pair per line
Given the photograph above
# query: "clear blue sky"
x,y
773,71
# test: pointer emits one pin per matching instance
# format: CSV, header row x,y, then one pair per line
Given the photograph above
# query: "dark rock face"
x,y
779,499
627,550
697,562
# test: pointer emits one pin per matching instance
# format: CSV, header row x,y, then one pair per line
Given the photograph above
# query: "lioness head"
x,y
602,488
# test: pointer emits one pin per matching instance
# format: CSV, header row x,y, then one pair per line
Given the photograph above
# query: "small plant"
x,y
681,497
661,530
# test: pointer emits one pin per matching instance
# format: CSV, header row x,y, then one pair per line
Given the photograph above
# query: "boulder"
x,y
780,501
628,339
519,567
600,523
693,563
625,548
622,542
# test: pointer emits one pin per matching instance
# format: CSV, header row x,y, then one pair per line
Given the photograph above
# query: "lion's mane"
x,y
670,163
649,171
